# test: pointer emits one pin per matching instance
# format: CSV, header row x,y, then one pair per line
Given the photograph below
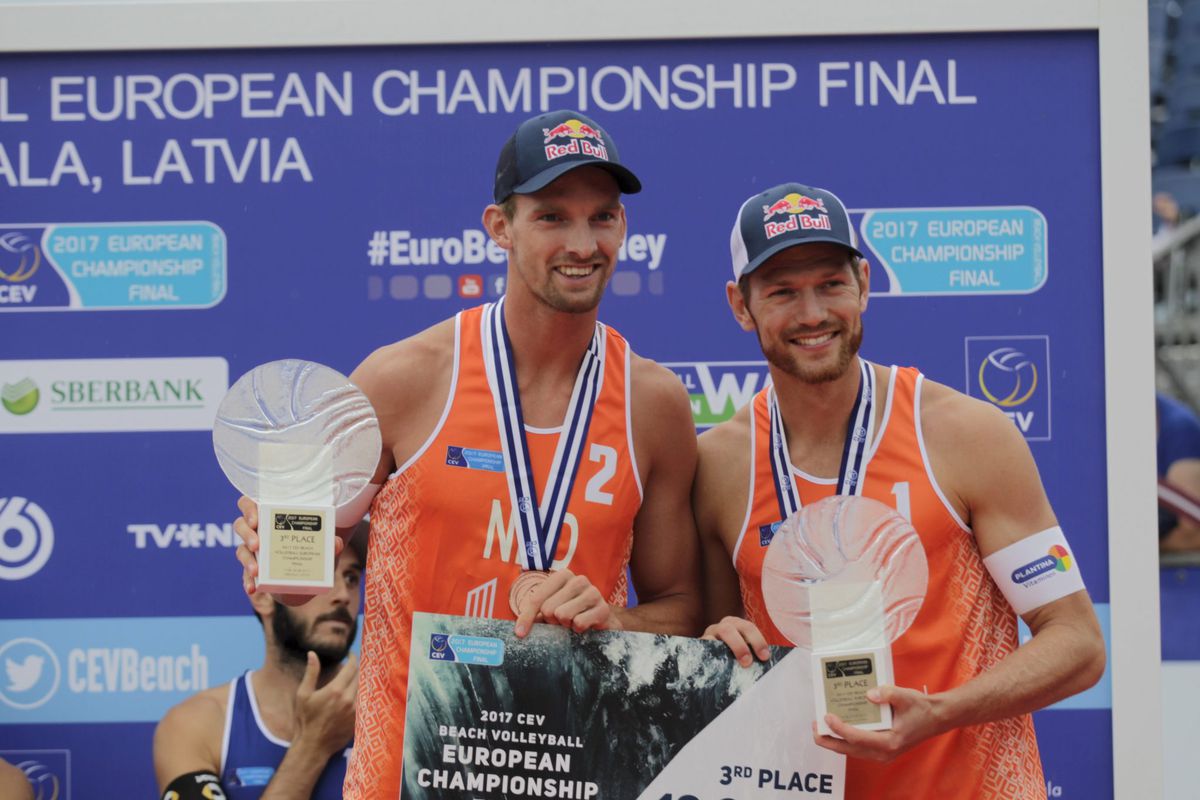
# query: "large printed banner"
x,y
170,220
605,715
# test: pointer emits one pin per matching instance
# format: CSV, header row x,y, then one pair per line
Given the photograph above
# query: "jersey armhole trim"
x,y
925,457
637,475
262,728
228,734
890,395
737,546
449,401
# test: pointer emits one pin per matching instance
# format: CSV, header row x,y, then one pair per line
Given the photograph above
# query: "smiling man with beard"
x,y
286,729
956,467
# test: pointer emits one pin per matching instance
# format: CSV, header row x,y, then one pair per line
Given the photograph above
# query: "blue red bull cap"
x,y
552,144
785,216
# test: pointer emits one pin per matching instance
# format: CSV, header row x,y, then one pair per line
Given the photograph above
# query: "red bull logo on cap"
x,y
574,129
796,207
579,133
794,203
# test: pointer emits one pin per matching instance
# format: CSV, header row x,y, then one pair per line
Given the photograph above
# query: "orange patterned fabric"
x,y
443,540
964,628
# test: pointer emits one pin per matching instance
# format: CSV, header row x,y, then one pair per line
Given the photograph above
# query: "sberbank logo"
x,y
113,394
718,389
21,397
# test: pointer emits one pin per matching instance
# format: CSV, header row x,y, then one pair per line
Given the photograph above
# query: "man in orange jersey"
x,y
519,440
955,466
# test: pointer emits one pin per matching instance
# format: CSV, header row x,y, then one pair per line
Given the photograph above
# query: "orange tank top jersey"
x,y
444,539
965,625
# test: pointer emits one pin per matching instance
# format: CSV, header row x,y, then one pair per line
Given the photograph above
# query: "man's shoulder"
x,y
976,451
407,366
652,376
657,389
193,727
948,414
724,453
728,438
204,708
412,355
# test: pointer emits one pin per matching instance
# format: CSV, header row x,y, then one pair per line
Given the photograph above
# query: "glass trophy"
x,y
304,442
844,578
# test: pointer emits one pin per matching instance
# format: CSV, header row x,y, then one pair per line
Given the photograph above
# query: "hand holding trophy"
x,y
303,441
845,577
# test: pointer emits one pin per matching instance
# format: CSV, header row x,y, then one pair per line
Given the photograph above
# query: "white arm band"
x,y
352,513
1035,571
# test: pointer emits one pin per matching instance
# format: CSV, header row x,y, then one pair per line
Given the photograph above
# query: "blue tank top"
x,y
250,754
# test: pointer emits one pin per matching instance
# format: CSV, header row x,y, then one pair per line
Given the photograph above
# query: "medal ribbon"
x,y
858,435
540,524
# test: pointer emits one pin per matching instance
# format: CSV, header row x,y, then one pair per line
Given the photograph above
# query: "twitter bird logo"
x,y
23,675
31,673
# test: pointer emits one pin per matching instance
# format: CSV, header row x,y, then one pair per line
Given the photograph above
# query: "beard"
x,y
584,304
781,356
295,639
549,294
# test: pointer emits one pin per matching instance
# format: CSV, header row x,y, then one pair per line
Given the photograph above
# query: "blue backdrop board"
x,y
168,221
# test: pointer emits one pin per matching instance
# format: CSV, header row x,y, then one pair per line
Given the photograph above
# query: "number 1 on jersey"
x,y
903,502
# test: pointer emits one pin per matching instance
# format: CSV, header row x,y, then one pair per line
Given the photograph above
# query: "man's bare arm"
x,y
665,558
1002,497
188,738
719,501
1184,475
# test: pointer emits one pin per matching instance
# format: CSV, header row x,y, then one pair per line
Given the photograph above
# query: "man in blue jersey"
x,y
286,729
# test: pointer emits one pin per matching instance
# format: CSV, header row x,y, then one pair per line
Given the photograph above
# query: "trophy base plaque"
x,y
296,548
841,681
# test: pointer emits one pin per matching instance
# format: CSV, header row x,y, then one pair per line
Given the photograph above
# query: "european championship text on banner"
x,y
610,715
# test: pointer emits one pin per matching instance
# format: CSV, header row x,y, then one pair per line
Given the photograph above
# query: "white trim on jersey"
x,y
445,409
811,478
750,495
925,456
258,720
890,395
228,726
637,477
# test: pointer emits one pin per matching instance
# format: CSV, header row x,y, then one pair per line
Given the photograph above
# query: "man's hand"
x,y
914,719
566,599
742,637
246,527
325,717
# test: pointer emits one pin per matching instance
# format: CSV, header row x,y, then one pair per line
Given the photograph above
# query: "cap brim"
x,y
626,180
779,247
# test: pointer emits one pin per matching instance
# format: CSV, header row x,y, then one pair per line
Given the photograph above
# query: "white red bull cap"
x,y
552,144
785,216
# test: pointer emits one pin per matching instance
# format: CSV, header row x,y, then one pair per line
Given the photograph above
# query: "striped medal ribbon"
x,y
540,523
858,435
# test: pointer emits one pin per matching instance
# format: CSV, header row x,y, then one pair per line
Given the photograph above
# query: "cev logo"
x,y
19,257
48,771
28,551
45,782
31,673
1007,377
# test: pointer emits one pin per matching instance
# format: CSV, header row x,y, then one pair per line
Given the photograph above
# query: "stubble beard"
x,y
549,295
780,355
